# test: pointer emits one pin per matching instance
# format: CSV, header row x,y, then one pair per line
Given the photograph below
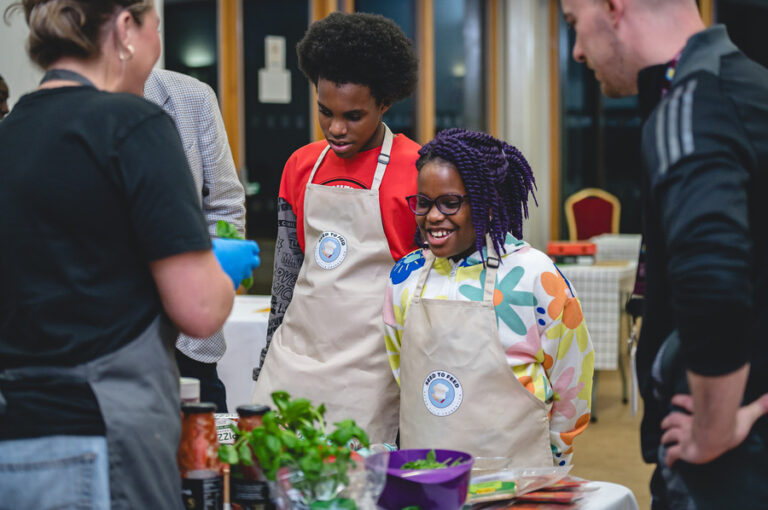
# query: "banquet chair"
x,y
591,212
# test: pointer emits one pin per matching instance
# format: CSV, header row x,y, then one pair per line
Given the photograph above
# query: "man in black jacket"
x,y
702,354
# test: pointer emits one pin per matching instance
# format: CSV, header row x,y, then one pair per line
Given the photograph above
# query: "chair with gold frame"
x,y
591,212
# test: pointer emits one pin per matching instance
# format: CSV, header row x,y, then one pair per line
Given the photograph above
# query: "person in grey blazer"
x,y
194,109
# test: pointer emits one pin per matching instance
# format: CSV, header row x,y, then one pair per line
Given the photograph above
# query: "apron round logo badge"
x,y
330,250
442,393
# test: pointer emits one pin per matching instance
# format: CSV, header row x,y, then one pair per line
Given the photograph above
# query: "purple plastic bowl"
x,y
434,489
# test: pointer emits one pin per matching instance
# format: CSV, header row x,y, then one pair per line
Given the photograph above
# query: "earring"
x,y
130,49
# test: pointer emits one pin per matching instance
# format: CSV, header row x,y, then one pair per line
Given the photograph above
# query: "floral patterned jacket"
x,y
541,327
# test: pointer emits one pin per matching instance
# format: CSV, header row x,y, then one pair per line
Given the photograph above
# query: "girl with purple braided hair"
x,y
497,178
484,335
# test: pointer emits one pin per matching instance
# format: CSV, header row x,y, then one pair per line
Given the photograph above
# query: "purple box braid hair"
x,y
497,178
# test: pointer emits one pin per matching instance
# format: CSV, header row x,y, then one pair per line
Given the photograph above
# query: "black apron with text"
x,y
137,390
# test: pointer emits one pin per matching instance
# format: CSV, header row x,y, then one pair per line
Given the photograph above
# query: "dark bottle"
x,y
201,480
249,485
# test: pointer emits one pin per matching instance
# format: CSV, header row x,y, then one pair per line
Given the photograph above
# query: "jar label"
x,y
202,493
249,491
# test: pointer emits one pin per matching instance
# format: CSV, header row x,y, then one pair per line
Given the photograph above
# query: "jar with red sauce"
x,y
199,466
249,485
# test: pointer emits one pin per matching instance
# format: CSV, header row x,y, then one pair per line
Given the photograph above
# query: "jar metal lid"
x,y
253,410
198,407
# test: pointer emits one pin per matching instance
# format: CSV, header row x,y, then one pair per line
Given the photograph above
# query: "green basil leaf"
x,y
244,452
270,422
227,454
273,444
227,230
289,440
281,400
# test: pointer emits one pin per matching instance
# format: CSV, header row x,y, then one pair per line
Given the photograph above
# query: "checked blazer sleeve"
x,y
194,109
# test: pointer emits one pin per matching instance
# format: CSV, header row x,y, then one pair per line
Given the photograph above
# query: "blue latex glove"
x,y
237,258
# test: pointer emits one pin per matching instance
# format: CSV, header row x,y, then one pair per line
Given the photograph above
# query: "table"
x,y
617,246
602,289
608,496
599,496
246,334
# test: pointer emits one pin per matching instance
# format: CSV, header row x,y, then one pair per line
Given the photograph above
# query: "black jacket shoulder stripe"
x,y
674,126
661,147
687,120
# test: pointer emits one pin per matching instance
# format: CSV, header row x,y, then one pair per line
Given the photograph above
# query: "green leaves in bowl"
x,y
430,463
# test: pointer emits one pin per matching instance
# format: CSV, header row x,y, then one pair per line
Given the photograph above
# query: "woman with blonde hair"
x,y
105,255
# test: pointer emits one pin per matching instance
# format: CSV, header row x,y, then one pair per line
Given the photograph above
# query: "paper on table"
x,y
526,480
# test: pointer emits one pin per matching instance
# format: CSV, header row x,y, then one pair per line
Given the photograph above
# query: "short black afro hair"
x,y
367,49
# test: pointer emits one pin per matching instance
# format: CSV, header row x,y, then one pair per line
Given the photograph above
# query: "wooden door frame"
x,y
707,8
231,81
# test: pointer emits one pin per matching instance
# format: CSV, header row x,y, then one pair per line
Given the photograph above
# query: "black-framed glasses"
x,y
447,204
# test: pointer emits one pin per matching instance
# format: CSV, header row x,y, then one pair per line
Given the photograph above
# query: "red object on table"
x,y
199,441
201,479
570,248
249,485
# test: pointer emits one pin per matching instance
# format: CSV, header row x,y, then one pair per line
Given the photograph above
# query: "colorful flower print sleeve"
x,y
569,361
541,327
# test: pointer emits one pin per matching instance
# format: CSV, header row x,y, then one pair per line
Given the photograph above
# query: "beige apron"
x,y
330,346
457,390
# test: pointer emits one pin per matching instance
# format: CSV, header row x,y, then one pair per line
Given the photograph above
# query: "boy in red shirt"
x,y
342,222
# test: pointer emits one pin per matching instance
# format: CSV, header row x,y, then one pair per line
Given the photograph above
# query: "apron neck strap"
x,y
66,75
381,166
430,260
492,261
491,268
317,163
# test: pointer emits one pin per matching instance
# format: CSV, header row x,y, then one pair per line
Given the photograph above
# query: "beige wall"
x,y
21,75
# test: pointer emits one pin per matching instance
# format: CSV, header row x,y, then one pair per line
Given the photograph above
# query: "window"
x,y
401,116
459,69
600,139
190,35
746,21
273,130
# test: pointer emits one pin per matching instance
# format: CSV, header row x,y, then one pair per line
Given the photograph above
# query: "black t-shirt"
x,y
93,186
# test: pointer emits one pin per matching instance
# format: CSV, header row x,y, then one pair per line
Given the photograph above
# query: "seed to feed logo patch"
x,y
442,393
330,250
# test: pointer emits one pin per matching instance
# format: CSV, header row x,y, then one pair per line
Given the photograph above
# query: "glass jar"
x,y
249,485
199,466
250,416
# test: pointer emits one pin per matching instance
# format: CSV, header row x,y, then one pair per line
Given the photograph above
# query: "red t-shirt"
x,y
399,181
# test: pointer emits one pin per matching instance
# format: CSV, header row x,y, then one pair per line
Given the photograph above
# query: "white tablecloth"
x,y
246,334
603,290
617,246
608,496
